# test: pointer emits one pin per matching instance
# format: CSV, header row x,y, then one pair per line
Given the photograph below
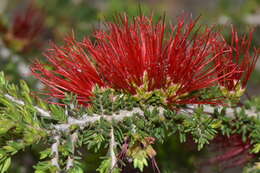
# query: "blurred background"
x,y
28,26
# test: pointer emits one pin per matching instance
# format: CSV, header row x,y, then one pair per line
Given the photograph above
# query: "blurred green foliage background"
x,y
62,17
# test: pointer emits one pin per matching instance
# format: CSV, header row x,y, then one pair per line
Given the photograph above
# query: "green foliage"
x,y
255,168
94,139
45,167
201,127
26,120
5,164
76,169
22,126
256,148
105,167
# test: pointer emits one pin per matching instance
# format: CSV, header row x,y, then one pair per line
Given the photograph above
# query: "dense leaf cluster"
x,y
26,120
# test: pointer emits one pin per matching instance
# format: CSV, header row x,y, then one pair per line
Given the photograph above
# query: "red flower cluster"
x,y
72,71
233,151
141,57
238,56
26,26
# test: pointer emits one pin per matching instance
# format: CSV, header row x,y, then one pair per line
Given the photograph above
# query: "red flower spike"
x,y
233,151
135,57
28,23
138,56
25,30
70,72
238,56
127,50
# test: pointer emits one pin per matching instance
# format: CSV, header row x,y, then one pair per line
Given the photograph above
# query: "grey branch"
x,y
230,112
55,151
112,147
42,112
12,99
86,119
70,161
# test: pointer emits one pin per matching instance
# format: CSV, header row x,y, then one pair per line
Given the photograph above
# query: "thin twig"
x,y
55,152
230,112
70,161
112,146
42,112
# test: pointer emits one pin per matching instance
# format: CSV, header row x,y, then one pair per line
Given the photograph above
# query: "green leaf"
x,y
256,148
5,125
140,162
9,149
46,153
24,87
45,167
104,166
2,78
6,165
216,124
76,170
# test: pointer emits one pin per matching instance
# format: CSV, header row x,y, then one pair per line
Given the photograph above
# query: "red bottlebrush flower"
x,y
239,57
27,24
26,27
139,57
70,71
233,151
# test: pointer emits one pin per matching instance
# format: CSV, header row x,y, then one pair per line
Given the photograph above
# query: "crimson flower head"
x,y
142,57
28,23
26,27
232,151
238,57
70,71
